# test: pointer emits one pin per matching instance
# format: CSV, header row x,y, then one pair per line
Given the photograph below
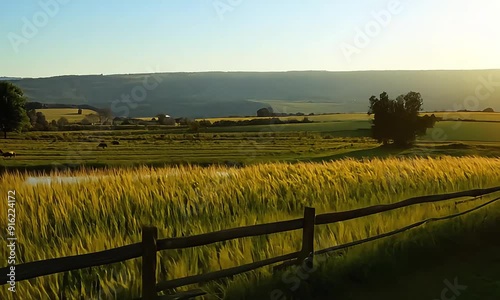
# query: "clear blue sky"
x,y
125,36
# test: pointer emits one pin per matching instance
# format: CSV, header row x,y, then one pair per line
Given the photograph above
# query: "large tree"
x,y
105,115
398,121
13,115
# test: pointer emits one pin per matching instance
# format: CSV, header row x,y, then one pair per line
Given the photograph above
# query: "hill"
x,y
217,94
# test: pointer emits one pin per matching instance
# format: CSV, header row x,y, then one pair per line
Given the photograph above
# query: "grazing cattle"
x,y
8,154
115,142
102,145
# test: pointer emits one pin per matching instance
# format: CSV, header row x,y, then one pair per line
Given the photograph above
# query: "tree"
x,y
53,125
85,121
205,123
93,118
33,105
265,112
62,122
13,115
398,120
41,122
105,115
32,117
165,120
194,126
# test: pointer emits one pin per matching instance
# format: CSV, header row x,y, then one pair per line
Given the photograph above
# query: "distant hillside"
x,y
215,94
39,105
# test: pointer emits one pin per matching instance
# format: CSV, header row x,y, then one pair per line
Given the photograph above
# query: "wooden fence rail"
x,y
150,245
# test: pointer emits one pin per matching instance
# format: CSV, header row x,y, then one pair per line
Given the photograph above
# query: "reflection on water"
x,y
77,179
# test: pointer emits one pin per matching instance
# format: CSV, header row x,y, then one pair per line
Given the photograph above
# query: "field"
x,y
247,175
242,145
69,113
305,106
477,116
315,118
107,208
321,141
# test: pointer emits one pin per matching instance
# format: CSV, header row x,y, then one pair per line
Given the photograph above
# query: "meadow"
x,y
176,179
63,219
452,116
73,117
46,150
69,113
43,150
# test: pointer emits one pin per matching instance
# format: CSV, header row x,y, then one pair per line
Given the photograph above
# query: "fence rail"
x,y
150,245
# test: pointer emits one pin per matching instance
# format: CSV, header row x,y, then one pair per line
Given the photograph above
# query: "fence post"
x,y
308,236
149,236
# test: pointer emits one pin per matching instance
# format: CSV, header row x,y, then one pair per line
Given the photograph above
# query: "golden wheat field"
x,y
105,209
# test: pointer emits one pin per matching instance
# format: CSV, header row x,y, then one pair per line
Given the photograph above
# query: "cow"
x,y
8,154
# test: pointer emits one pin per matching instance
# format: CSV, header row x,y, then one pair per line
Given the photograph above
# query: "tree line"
x,y
396,121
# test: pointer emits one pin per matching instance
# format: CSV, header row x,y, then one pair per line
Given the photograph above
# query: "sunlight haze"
x,y
121,37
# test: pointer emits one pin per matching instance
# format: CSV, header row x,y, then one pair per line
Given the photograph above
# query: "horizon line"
x,y
289,71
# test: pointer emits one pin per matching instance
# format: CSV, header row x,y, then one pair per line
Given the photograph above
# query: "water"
x,y
32,180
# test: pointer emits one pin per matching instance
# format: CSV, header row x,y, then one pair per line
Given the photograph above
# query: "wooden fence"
x,y
150,245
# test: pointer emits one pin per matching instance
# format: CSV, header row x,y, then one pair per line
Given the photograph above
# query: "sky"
x,y
42,38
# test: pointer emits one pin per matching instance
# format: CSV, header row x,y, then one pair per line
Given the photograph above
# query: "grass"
x,y
465,131
72,115
477,116
460,248
305,106
312,127
46,149
454,116
315,118
66,219
69,113
278,143
54,150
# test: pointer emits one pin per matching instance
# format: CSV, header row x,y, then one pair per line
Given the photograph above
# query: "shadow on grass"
x,y
383,151
419,150
46,169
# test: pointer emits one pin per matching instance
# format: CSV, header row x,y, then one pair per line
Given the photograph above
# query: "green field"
x,y
243,144
315,118
306,106
478,116
45,149
331,165
69,113
465,131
